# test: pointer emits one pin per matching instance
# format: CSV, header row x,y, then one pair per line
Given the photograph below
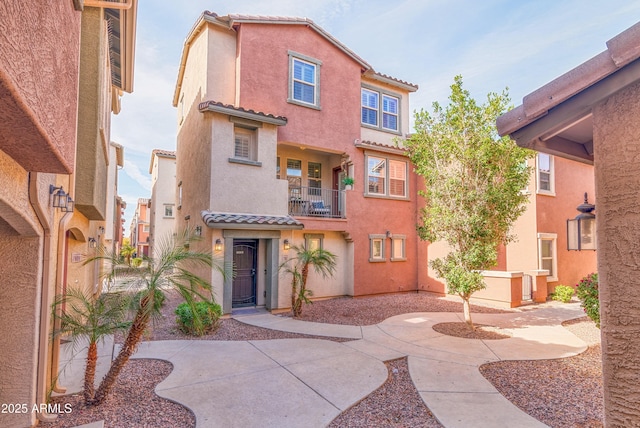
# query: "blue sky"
x,y
493,44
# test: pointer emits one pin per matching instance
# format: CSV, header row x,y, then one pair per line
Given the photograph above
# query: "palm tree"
x,y
80,316
322,261
171,269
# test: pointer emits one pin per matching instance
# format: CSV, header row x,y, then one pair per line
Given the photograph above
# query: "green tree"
x,y
473,181
127,251
322,261
80,316
171,269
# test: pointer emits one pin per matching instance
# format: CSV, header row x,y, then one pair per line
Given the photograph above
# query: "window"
x,y
294,174
180,195
313,241
387,118
369,107
145,228
398,248
547,254
278,168
304,80
376,248
389,113
168,210
314,174
545,174
386,177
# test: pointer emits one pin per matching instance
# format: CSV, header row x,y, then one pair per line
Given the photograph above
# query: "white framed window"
x,y
245,144
545,174
386,177
314,175
389,113
376,248
180,195
278,167
548,254
304,80
398,248
380,110
313,241
168,210
369,107
145,228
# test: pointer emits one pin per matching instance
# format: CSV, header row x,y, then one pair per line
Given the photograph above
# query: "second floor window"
x,y
545,174
314,175
245,144
168,210
386,177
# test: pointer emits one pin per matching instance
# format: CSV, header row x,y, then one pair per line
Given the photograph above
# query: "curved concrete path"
x,y
444,369
308,382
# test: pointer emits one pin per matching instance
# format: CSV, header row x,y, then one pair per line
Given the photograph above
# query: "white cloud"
x,y
132,170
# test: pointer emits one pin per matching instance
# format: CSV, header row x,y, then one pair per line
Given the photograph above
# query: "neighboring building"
x,y
113,216
590,115
139,230
121,206
163,197
61,75
273,113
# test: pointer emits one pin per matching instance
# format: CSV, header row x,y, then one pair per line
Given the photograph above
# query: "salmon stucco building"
x,y
273,114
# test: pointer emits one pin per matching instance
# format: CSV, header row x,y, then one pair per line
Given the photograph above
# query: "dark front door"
x,y
245,254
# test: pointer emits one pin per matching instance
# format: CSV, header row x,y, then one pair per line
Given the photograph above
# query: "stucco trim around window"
x,y
398,248
384,183
377,248
545,175
548,260
298,59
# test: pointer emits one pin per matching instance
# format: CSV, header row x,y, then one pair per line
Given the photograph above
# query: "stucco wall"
x,y
617,161
572,180
38,114
241,188
522,254
163,192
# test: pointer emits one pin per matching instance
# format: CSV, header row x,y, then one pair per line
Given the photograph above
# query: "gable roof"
x,y
231,22
259,116
169,154
556,118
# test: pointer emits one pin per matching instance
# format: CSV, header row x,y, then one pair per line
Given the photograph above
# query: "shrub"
x,y
587,291
563,293
136,262
202,321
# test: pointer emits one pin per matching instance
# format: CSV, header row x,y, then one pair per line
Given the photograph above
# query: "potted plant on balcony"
x,y
347,182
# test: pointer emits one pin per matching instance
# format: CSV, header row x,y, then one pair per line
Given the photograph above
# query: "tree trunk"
x,y
90,373
467,311
130,345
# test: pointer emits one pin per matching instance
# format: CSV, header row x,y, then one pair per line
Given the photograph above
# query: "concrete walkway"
x,y
308,382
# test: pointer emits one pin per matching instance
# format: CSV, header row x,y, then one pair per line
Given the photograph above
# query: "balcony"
x,y
317,202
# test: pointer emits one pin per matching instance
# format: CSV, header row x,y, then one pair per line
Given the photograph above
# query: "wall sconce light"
x,y
286,245
218,245
69,207
100,230
388,234
198,231
59,197
581,230
93,243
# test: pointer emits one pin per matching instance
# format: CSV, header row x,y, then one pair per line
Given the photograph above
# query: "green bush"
x,y
563,293
136,262
204,319
587,291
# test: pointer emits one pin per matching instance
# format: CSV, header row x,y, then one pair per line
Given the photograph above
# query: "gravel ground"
x,y
540,388
566,392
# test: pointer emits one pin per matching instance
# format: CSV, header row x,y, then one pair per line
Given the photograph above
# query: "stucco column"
x,y
617,176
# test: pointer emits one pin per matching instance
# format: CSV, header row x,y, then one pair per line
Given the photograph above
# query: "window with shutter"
x,y
397,178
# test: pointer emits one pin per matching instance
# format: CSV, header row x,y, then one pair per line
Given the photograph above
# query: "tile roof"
x,y
411,87
241,112
366,144
166,153
254,221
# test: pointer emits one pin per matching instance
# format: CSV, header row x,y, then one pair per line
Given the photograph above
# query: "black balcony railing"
x,y
317,202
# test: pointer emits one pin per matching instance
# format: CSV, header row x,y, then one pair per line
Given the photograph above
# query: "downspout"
x,y
43,338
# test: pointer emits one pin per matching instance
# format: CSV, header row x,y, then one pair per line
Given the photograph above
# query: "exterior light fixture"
x,y
286,245
100,230
59,197
218,245
388,234
198,231
68,208
93,243
581,230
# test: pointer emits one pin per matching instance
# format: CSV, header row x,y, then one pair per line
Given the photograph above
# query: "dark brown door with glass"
x,y
245,254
